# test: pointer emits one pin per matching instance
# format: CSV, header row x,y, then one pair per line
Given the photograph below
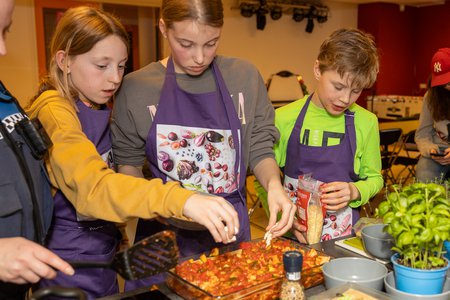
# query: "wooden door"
x,y
47,14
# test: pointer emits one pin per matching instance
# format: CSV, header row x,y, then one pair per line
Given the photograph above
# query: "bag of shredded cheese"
x,y
310,211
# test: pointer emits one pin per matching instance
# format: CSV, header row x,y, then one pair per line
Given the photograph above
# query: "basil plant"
x,y
418,218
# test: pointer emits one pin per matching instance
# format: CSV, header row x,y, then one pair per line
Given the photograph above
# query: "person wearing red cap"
x,y
432,136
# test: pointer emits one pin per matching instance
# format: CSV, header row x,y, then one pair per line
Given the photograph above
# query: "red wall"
x,y
433,32
407,40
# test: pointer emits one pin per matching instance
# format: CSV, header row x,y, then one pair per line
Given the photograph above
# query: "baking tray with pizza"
x,y
250,270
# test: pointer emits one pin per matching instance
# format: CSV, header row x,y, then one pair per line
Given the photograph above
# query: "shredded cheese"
x,y
268,236
233,239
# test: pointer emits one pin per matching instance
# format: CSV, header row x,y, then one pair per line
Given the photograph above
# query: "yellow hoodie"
x,y
96,191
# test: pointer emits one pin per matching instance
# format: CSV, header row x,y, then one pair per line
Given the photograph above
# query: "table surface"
x,y
164,292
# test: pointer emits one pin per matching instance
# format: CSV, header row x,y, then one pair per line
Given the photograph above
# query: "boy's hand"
x,y
299,231
337,194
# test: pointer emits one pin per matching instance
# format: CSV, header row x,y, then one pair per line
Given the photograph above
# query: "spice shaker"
x,y
291,287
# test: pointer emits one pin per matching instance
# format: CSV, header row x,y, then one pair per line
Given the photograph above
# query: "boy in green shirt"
x,y
331,137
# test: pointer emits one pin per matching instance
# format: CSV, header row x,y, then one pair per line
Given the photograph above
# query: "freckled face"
x,y
97,74
193,45
334,93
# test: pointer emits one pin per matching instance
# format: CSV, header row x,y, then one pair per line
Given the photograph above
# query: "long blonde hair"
x,y
207,12
77,32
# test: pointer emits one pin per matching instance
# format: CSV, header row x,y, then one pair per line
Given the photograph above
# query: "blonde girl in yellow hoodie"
x,y
88,51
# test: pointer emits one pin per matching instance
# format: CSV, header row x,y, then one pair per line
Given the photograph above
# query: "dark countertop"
x,y
164,292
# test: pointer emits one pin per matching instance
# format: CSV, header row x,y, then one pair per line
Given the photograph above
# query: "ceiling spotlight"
x,y
275,12
298,14
310,24
261,18
246,10
322,15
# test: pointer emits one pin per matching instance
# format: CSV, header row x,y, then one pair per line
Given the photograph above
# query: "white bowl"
x,y
362,271
389,284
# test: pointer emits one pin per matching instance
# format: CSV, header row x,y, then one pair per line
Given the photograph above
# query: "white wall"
x,y
282,45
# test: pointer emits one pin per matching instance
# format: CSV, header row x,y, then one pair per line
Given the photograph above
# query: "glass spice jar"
x,y
291,287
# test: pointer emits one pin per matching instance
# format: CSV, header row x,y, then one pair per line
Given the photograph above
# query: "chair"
x,y
283,87
390,143
409,158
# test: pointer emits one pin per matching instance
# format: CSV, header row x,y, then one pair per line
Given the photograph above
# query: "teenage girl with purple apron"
x,y
195,139
327,164
89,239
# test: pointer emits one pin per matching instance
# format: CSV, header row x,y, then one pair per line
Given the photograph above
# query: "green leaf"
x,y
418,208
441,209
436,188
444,201
392,198
396,228
415,198
417,220
406,238
426,235
383,208
404,202
436,262
388,217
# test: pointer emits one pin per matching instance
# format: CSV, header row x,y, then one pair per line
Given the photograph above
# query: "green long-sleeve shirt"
x,y
367,162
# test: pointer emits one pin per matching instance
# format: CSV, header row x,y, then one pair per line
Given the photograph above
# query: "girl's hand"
x,y
279,201
443,160
337,194
215,213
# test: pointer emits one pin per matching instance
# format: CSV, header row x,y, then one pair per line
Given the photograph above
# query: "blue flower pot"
x,y
417,281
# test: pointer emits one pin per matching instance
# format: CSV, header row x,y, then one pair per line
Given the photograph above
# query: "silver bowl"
x,y
377,242
389,284
362,271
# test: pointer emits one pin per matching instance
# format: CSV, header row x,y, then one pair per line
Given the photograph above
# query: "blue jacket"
x,y
26,205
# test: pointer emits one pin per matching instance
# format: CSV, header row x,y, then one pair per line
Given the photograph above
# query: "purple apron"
x,y
325,163
77,238
195,139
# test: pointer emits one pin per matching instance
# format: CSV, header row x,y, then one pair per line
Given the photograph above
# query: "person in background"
x,y
25,199
199,119
433,136
89,50
326,134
